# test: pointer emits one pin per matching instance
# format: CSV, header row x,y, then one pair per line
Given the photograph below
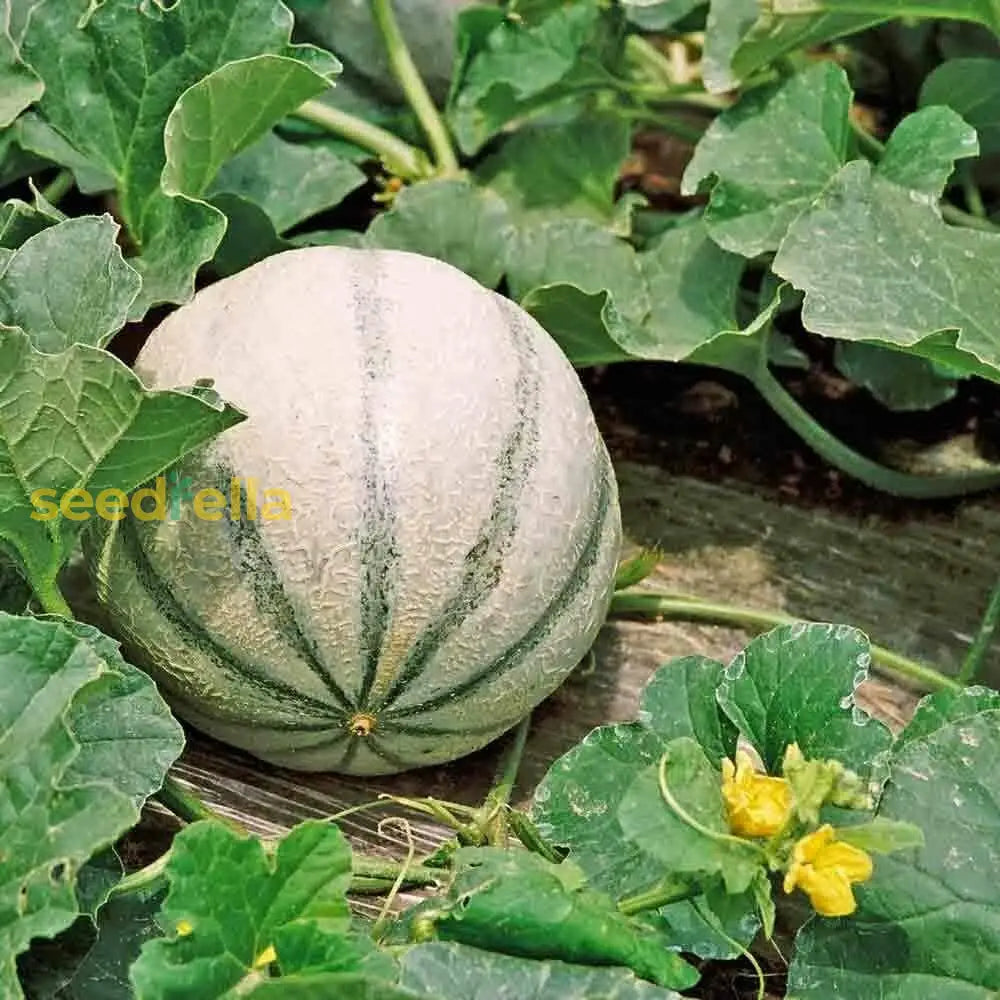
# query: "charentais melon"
x,y
443,528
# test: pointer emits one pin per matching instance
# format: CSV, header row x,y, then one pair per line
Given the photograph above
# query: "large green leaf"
x,y
81,419
569,168
928,923
693,286
517,903
796,684
451,220
68,284
900,274
448,971
290,181
972,88
516,64
19,221
19,86
743,37
228,904
896,379
650,822
84,738
576,803
204,82
589,259
771,155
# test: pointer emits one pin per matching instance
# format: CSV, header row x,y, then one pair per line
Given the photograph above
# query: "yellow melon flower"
x,y
756,805
824,869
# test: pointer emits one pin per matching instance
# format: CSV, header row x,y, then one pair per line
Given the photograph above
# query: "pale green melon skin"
x,y
290,341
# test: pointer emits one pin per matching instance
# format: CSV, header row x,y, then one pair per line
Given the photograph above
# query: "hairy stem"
x,y
187,806
50,597
492,815
399,157
409,78
983,640
670,890
648,603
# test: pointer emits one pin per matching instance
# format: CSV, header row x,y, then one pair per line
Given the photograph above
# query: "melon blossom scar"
x,y
245,501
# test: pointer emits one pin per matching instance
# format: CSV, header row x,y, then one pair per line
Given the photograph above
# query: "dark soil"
x,y
709,424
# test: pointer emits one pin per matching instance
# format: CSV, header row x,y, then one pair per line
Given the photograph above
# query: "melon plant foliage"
x,y
147,146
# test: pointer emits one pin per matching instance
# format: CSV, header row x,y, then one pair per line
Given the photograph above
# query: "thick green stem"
x,y
650,604
50,597
662,894
389,871
187,806
984,639
399,157
647,58
492,815
409,78
58,187
834,451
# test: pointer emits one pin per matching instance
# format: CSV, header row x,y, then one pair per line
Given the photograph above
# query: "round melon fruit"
x,y
436,522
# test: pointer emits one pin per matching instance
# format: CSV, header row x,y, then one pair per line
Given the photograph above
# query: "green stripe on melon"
x,y
455,524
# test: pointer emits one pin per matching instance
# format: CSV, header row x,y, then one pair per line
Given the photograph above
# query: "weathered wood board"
x,y
918,587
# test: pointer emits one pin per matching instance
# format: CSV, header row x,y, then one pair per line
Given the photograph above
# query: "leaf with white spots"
x,y
928,922
796,684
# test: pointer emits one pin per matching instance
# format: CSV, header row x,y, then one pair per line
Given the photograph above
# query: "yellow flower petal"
x,y
824,868
829,892
756,805
184,927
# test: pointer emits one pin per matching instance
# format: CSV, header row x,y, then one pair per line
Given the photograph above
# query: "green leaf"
x,y
655,15
771,155
576,805
972,88
742,37
19,221
516,66
921,152
796,684
326,986
19,86
882,836
448,971
900,275
81,419
228,902
576,321
693,286
38,136
451,220
68,284
980,11
679,701
928,923
250,235
517,903
695,783
290,181
590,260
84,963
943,707
62,797
900,381
207,80
570,168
